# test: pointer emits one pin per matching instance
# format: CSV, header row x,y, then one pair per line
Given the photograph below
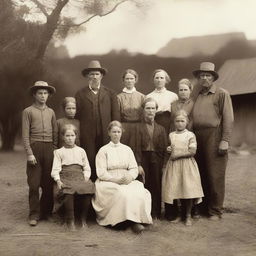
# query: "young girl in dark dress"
x,y
71,171
69,108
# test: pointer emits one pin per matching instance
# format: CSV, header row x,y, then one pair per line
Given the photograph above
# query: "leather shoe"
x,y
214,217
137,228
32,223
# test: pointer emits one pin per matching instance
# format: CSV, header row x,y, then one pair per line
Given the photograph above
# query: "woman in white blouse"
x,y
163,97
118,196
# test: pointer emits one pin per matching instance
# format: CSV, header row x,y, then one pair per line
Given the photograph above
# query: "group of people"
x,y
127,154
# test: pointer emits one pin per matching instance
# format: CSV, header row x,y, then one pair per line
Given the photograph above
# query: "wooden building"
x,y
238,77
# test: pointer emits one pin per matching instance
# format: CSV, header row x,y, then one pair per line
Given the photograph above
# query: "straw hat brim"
x,y
197,72
86,71
49,88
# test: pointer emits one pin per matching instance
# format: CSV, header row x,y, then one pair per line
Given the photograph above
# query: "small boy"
x,y
39,133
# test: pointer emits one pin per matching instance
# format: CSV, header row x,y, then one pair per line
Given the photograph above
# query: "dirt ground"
x,y
234,235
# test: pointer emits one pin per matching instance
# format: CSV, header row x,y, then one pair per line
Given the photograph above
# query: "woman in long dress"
x,y
163,97
119,197
130,101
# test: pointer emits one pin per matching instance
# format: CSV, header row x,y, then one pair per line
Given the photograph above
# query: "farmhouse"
x,y
238,77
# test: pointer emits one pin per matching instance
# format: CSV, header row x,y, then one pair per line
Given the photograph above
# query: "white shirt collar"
x,y
129,91
160,91
113,144
95,92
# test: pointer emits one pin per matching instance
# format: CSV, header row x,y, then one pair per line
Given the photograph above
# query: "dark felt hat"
x,y
42,85
94,65
206,67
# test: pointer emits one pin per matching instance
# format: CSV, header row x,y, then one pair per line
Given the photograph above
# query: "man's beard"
x,y
94,83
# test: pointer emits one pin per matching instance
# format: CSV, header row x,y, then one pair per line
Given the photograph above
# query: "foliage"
x,y
27,28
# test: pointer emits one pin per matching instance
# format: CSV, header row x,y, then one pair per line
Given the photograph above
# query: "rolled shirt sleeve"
x,y
56,167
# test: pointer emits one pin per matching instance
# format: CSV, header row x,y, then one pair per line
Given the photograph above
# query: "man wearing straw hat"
x,y
212,121
96,107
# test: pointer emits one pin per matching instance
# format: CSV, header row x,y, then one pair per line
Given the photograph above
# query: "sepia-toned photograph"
x,y
127,127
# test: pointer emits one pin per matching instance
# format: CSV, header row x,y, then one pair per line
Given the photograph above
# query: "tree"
x,y
27,28
59,16
16,69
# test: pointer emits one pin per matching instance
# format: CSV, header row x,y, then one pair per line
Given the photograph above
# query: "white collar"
x,y
128,90
95,92
113,144
161,90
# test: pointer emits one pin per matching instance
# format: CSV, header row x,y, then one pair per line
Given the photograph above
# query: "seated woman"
x,y
119,197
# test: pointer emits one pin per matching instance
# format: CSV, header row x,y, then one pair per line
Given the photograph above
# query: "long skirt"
x,y
114,203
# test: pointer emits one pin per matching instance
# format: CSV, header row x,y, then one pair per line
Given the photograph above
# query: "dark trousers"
x,y
76,202
92,147
152,166
39,175
212,167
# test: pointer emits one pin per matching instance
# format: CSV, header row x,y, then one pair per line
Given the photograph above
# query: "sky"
x,y
148,29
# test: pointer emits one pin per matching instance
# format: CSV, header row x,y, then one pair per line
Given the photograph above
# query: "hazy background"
x,y
148,29
175,35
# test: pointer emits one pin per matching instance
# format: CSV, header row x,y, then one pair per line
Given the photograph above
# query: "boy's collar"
x,y
38,107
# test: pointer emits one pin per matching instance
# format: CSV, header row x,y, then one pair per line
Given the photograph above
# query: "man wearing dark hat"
x,y
212,121
96,107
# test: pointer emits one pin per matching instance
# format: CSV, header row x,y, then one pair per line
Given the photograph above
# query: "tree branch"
x,y
95,15
41,7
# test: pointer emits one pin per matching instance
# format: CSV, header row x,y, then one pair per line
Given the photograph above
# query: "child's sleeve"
x,y
86,166
56,167
26,132
192,142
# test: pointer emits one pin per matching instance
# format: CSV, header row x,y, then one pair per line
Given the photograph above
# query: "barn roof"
x,y
238,76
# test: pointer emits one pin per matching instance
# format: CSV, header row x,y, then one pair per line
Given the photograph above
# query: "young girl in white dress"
x,y
71,171
181,178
